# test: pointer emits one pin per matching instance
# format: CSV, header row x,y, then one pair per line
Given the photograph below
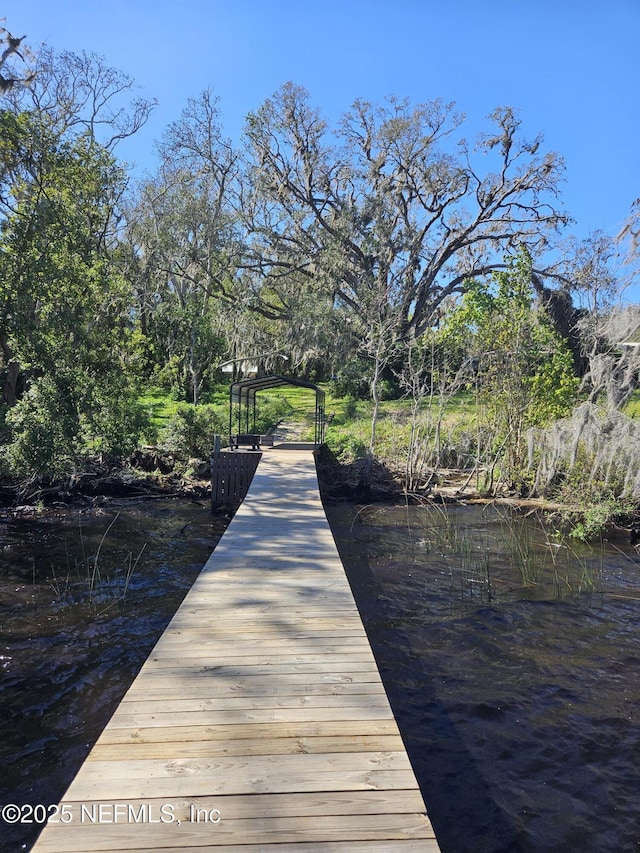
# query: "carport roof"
x,y
248,387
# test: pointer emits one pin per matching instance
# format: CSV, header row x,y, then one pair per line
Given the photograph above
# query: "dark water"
x,y
69,645
512,659
517,690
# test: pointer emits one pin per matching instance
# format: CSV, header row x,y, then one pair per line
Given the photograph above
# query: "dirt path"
x,y
290,431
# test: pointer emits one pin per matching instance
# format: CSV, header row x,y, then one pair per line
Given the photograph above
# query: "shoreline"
x,y
152,474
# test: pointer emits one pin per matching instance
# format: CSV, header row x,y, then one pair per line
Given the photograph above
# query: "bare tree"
x,y
78,93
183,240
430,379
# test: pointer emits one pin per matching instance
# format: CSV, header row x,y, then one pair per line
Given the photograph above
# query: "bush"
x,y
347,443
57,422
352,381
45,431
5,432
596,518
191,431
116,421
388,390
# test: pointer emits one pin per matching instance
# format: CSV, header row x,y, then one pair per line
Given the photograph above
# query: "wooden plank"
x,y
126,720
261,700
303,631
259,688
207,784
259,731
251,746
183,705
187,671
268,639
421,845
256,640
238,807
233,768
244,657
322,608
158,687
260,831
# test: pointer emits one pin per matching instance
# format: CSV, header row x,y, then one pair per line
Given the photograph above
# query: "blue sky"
x,y
571,67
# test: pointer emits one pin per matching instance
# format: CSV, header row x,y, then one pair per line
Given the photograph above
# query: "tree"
x,y
629,240
78,93
65,310
432,373
611,340
183,246
170,237
386,204
72,97
521,369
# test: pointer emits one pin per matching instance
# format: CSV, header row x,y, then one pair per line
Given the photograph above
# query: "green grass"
x,y
349,432
160,406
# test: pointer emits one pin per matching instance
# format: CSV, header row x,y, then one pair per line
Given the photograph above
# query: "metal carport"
x,y
243,395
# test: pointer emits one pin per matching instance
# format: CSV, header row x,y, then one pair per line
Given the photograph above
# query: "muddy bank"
x,y
152,473
352,481
344,483
146,474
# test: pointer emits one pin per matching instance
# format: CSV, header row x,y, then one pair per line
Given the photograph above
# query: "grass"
x,y
457,444
348,434
160,406
92,580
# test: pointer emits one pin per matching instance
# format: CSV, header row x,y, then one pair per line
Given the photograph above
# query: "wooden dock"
x,y
259,722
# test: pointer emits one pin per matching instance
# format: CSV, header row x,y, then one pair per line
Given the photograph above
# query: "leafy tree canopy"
x,y
390,203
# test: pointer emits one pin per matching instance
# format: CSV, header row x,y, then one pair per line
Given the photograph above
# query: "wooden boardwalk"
x,y
259,721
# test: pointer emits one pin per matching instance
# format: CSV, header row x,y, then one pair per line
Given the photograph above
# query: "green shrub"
x,y
351,409
595,519
45,430
191,431
115,419
352,380
346,444
388,390
5,432
58,421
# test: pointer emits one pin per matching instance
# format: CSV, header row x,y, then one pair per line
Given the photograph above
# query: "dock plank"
x,y
261,703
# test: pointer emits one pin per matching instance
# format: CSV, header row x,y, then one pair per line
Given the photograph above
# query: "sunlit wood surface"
x,y
259,721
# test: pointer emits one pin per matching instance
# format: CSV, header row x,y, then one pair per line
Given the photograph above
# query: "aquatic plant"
x,y
513,552
91,579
